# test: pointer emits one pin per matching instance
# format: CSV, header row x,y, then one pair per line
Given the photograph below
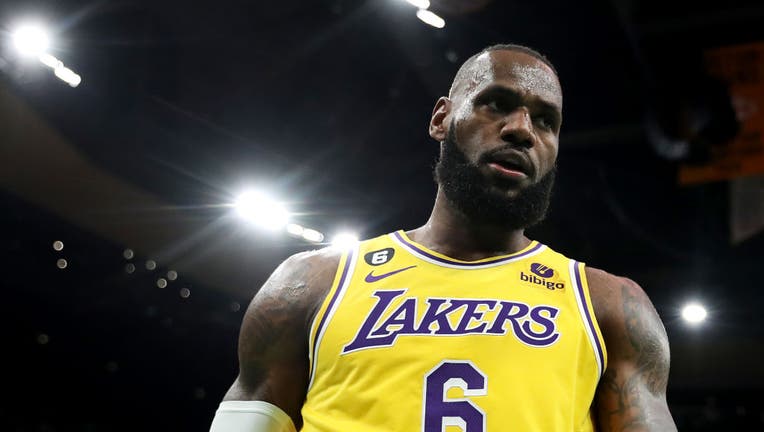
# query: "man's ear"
x,y
439,120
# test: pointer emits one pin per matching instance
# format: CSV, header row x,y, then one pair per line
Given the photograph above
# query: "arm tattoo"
x,y
627,403
646,339
274,323
629,394
280,297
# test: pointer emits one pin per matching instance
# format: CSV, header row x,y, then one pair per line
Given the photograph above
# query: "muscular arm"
x,y
632,392
273,342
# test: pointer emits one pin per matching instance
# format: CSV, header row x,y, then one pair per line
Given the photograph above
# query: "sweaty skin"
x,y
502,97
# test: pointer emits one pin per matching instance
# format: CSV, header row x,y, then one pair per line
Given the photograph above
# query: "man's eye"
x,y
493,105
545,122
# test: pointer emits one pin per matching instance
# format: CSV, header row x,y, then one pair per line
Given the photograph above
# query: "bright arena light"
x,y
260,209
295,230
430,18
312,235
31,40
50,61
344,240
421,4
67,75
694,313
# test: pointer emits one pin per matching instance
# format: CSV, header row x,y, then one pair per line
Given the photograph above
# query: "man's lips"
x,y
510,163
505,171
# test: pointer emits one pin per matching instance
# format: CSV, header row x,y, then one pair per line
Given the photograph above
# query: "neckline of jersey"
x,y
438,258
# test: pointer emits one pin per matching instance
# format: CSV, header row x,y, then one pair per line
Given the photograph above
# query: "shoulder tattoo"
x,y
648,339
631,388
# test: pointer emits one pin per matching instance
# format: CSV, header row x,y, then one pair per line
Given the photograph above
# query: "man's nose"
x,y
518,128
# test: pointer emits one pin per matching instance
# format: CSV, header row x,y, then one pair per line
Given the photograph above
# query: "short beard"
x,y
467,189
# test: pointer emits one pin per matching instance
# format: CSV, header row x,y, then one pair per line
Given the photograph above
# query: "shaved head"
x,y
474,68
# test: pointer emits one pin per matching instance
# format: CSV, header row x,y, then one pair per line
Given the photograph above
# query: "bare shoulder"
x,y
285,305
622,309
299,284
273,341
632,392
608,293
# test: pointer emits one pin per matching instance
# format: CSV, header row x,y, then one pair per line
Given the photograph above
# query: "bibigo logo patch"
x,y
539,276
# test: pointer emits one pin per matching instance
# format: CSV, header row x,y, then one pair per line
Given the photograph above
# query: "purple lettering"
x,y
548,336
534,326
433,315
506,314
472,313
362,339
403,316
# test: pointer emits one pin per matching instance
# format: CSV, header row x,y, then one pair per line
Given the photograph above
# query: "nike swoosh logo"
x,y
373,278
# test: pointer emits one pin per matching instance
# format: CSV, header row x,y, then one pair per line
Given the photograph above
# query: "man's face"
x,y
500,133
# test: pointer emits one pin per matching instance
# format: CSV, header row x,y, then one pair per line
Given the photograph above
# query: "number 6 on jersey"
x,y
440,411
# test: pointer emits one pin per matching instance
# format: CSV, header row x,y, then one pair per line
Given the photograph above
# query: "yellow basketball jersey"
x,y
411,340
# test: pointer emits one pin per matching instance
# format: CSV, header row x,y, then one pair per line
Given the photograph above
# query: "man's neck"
x,y
450,232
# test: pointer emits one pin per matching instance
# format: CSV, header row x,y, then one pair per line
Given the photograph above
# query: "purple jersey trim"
x,y
328,310
588,314
416,249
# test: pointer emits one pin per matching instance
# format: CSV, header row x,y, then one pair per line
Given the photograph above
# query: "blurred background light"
x,y
430,18
694,313
43,339
67,75
58,245
161,283
421,4
295,230
260,209
50,61
61,263
31,40
344,240
312,235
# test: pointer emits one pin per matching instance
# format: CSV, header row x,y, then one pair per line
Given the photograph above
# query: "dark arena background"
x,y
153,152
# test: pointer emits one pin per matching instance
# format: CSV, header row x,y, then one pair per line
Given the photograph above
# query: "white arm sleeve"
x,y
251,416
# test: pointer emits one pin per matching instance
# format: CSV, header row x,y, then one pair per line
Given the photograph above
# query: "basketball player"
x,y
463,324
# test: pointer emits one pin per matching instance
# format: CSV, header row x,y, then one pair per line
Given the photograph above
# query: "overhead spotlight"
x,y
312,235
31,40
50,61
421,4
67,75
430,18
694,313
295,230
260,209
344,240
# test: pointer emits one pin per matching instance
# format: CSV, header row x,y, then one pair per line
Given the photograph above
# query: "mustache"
x,y
493,154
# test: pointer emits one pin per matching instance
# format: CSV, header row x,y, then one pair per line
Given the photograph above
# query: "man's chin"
x,y
507,189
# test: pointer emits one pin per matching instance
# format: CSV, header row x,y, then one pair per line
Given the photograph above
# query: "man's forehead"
x,y
517,70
